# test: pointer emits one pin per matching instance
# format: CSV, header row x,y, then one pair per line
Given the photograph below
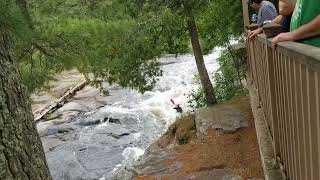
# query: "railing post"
x,y
288,83
245,13
273,104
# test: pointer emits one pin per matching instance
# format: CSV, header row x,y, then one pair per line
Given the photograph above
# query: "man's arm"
x,y
253,34
278,19
306,31
286,7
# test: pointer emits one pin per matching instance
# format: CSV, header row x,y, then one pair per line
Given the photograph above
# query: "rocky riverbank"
x,y
215,143
93,134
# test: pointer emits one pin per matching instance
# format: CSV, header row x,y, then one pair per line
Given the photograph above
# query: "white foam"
x,y
176,83
103,178
136,135
132,153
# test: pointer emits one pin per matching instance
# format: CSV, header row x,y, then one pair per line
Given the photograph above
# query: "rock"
x,y
52,148
71,106
106,128
81,161
181,131
43,127
105,92
65,130
87,93
62,139
227,118
118,136
49,128
123,175
83,149
89,122
105,119
59,87
124,134
64,165
115,136
186,128
113,120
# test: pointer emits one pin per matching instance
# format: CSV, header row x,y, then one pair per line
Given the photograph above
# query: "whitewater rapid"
x,y
116,135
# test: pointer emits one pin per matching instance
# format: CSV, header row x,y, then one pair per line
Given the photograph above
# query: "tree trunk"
x,y
204,77
21,152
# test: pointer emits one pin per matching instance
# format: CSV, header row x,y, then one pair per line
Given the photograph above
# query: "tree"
x,y
229,75
89,36
203,74
221,21
21,152
184,10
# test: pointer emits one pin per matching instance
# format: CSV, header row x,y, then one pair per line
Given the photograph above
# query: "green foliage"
x,y
196,98
116,51
12,21
176,6
115,40
227,79
95,37
167,28
37,72
220,22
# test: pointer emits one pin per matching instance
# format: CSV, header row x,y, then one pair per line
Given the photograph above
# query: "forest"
x,y
117,41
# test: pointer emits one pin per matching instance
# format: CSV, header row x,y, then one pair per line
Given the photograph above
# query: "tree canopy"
x,y
220,22
115,40
92,36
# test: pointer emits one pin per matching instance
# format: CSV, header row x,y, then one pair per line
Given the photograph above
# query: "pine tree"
x,y
21,152
183,10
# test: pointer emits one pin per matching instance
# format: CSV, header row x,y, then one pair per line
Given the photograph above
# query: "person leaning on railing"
x,y
266,12
305,24
286,8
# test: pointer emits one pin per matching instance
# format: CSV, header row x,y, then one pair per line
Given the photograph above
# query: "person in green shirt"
x,y
305,24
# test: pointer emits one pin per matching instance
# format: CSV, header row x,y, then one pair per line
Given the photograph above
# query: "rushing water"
x,y
103,140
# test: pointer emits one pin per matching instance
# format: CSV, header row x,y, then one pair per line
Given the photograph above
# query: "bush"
x,y
227,79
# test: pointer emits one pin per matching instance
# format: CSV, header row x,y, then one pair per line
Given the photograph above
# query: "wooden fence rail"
x,y
287,79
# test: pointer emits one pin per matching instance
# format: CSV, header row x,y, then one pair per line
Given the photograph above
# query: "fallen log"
x,y
56,105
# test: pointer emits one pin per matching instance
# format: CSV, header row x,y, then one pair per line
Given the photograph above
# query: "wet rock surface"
x,y
90,148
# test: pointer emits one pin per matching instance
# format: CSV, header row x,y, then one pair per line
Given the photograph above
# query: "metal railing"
x,y
287,79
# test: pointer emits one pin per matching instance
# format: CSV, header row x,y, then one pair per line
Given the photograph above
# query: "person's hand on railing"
x,y
282,37
305,31
253,34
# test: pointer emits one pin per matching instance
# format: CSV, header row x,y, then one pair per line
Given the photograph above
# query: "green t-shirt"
x,y
305,11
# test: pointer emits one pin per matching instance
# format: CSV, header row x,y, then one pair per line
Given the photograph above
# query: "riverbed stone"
x,y
43,127
72,106
65,165
89,122
112,120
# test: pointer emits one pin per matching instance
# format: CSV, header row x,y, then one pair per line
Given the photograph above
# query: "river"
x,y
94,143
